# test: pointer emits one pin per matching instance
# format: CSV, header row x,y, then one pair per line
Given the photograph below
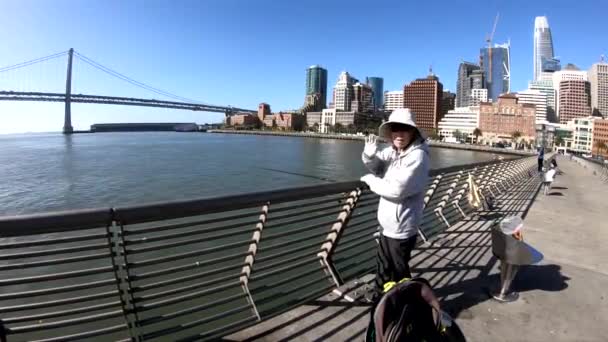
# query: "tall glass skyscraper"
x,y
316,83
377,84
543,44
496,65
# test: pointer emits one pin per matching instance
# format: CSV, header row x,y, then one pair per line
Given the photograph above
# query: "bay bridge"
x,y
176,102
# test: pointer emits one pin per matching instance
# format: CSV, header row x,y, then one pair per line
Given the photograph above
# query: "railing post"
x,y
250,258
123,281
331,241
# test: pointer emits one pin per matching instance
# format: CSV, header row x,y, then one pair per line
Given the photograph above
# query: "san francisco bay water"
x,y
51,172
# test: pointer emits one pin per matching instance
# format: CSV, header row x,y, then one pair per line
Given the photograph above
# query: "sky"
x,y
243,52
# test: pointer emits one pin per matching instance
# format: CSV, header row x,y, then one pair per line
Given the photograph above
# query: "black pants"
x,y
540,164
392,261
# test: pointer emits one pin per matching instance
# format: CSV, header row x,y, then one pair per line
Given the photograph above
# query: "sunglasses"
x,y
402,128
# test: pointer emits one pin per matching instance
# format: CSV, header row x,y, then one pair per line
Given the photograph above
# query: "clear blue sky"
x,y
248,51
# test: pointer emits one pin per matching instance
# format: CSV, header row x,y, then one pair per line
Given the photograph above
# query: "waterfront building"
x,y
377,85
598,79
496,65
343,92
543,45
393,100
600,134
478,96
462,119
499,120
582,134
538,99
316,87
545,86
574,100
363,98
423,96
448,102
470,77
328,118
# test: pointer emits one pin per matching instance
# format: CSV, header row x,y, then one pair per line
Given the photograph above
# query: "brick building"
x,y
574,100
424,97
600,133
499,120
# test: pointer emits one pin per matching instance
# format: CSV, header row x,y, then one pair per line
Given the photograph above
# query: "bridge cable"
x,y
33,61
132,81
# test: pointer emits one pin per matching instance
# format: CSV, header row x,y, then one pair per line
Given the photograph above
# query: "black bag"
x,y
402,314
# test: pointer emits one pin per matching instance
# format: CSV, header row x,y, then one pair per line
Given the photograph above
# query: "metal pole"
x,y
67,123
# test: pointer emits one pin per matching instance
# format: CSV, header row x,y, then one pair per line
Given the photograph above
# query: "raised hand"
x,y
371,146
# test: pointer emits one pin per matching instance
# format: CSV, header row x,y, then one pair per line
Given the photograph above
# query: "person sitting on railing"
x,y
399,175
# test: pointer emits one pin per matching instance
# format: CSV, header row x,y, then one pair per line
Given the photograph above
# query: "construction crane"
x,y
489,41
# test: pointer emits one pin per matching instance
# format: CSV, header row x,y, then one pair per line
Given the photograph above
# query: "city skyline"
x,y
194,53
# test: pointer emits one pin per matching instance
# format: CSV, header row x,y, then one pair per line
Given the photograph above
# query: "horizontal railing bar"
x,y
176,290
91,333
272,218
171,281
259,276
346,248
355,222
55,276
54,290
338,200
185,255
130,231
178,299
189,325
299,230
54,222
56,261
46,315
193,309
53,241
272,224
57,302
191,241
351,256
260,268
281,254
357,213
353,236
129,242
189,266
300,286
263,288
159,211
91,247
291,242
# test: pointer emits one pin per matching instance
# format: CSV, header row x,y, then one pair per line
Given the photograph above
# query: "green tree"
x,y
477,132
434,136
338,128
600,146
351,128
457,134
559,141
315,127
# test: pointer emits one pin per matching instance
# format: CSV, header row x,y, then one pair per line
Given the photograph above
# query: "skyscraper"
x,y
574,100
496,65
343,92
543,44
568,73
424,97
538,99
598,77
546,87
316,87
377,84
393,99
470,77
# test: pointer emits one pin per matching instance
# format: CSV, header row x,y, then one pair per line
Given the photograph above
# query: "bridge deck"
x,y
564,298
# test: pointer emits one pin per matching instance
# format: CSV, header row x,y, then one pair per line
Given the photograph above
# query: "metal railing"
x,y
201,269
596,167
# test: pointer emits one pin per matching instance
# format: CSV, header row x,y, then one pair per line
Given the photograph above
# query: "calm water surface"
x,y
49,172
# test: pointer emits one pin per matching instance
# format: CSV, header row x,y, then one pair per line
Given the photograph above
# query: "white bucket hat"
x,y
401,116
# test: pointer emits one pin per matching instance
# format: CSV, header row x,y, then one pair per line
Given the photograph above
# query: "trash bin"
x,y
508,246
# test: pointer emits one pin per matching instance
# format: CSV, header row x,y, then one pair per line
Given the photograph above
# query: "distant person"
x,y
548,178
554,163
399,176
541,158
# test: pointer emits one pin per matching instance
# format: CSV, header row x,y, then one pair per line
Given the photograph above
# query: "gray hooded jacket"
x,y
400,179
